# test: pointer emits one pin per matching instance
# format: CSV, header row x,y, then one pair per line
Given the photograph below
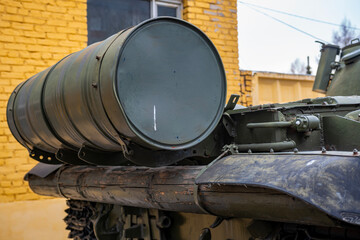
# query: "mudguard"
x,y
329,182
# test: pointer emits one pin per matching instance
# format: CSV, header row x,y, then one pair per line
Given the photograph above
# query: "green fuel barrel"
x,y
160,85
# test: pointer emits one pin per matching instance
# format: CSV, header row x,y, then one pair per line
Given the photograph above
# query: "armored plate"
x,y
328,182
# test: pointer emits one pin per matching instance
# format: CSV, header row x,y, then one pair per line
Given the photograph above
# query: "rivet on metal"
x,y
271,150
296,150
323,150
355,151
249,151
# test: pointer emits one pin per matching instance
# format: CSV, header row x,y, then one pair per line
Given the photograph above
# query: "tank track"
x,y
78,220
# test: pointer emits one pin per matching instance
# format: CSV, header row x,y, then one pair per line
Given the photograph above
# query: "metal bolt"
x,y
271,150
355,151
323,150
249,151
296,150
163,222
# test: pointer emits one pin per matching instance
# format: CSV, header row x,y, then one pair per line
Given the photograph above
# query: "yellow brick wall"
x,y
218,19
34,34
246,88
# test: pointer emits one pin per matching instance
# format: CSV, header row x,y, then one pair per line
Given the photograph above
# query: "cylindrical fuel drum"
x,y
160,85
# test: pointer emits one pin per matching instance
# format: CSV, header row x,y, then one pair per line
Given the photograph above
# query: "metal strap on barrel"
x,y
57,177
196,187
98,69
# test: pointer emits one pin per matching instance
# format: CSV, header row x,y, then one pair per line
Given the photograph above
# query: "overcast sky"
x,y
268,45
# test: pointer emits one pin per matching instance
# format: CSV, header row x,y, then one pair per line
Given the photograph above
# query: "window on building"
x,y
166,8
107,17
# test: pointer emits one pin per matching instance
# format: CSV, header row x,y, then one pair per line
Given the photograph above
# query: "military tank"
x,y
135,133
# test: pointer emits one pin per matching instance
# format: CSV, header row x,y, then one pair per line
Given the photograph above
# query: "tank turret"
x,y
339,77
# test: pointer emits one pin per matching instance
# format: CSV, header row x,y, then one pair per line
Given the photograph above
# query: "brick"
x,y
36,6
210,12
202,4
197,22
66,30
47,42
25,40
60,23
5,170
231,43
45,28
5,67
13,54
58,50
24,26
215,7
26,197
39,69
33,34
82,6
14,46
5,184
202,17
34,20
18,183
69,44
75,11
23,152
24,12
5,82
25,68
3,52
77,38
8,90
62,3
49,2
61,36
13,18
77,25
11,75
189,4
57,9
24,54
14,3
24,167
39,48
15,190
35,55
46,55
82,31
6,60
34,62
4,24
82,19
11,10
7,38
218,42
